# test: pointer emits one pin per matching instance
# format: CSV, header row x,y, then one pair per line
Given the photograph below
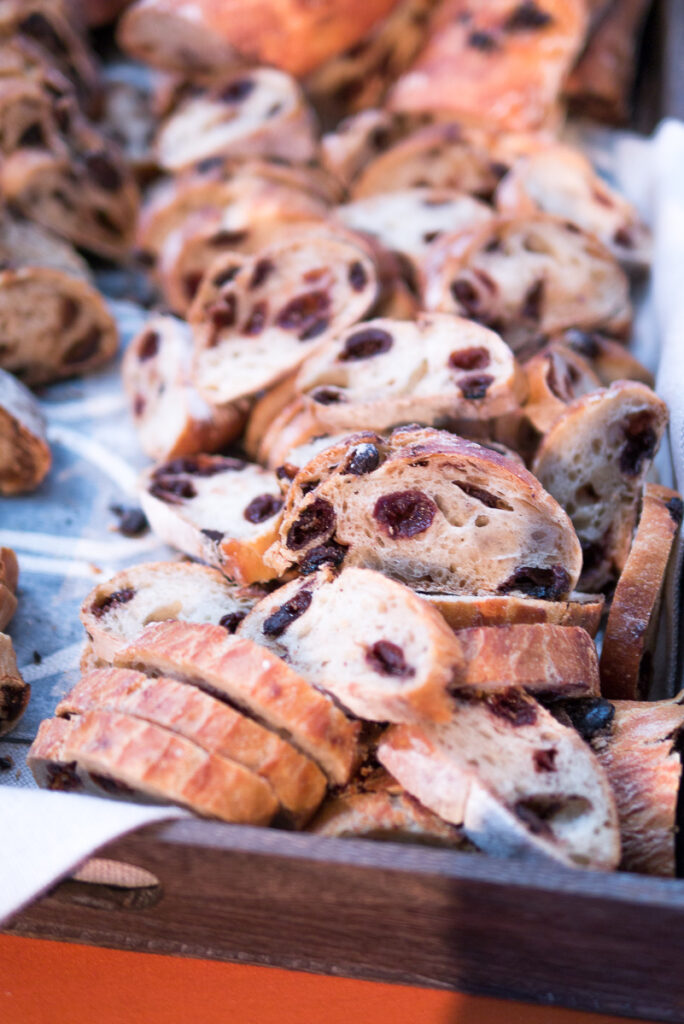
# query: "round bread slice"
x,y
116,612
517,781
432,510
14,692
531,276
371,643
221,510
261,112
629,638
218,729
257,682
439,370
116,755
168,413
462,611
24,452
593,461
281,306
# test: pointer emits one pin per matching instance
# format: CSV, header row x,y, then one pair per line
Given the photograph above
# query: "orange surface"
x,y
53,983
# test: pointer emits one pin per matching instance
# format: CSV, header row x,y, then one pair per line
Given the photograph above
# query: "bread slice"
x,y
110,754
260,324
9,577
435,371
371,643
218,729
609,359
627,651
546,660
593,461
357,140
170,36
640,752
555,377
170,416
14,692
265,410
462,611
432,510
116,612
517,781
221,510
24,452
254,680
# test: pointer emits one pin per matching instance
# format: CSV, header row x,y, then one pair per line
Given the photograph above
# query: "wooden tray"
x,y
607,943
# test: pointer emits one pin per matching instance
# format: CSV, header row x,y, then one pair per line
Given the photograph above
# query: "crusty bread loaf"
x,y
594,460
221,510
432,510
116,612
516,780
439,370
169,415
628,641
462,611
218,729
116,755
254,680
14,692
373,644
24,452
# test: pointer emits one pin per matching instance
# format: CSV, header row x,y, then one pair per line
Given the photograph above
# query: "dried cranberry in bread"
x,y
169,415
371,643
546,660
374,806
531,276
54,325
555,377
24,452
280,306
224,511
500,63
559,180
218,729
116,612
627,651
431,510
9,576
261,112
593,461
438,370
609,359
14,692
463,611
257,682
517,781
110,754
640,752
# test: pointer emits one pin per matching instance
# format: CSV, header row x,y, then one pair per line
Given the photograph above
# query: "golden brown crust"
x,y
464,611
25,456
9,569
14,692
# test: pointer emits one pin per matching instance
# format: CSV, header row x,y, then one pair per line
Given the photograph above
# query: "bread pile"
x,y
397,429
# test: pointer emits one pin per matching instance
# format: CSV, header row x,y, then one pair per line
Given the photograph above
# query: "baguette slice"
x,y
517,781
627,652
218,729
556,375
256,681
14,692
609,360
116,612
371,643
221,510
25,457
112,754
462,611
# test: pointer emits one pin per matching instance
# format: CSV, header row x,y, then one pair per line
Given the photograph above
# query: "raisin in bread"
x,y
213,725
281,306
109,754
609,359
438,370
530,276
629,638
517,781
257,682
170,417
14,692
380,650
116,612
463,611
24,452
432,510
593,461
224,511
9,578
